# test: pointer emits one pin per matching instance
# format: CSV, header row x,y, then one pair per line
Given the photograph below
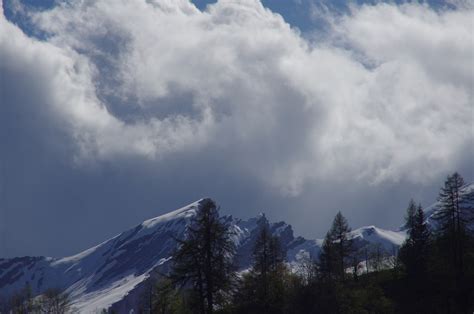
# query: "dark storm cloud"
x,y
127,109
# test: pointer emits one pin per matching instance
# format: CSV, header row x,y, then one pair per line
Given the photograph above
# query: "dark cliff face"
x,y
253,226
244,251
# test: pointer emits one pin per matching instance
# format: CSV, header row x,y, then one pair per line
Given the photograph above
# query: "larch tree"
x,y
452,217
410,215
337,249
414,253
204,259
268,265
264,287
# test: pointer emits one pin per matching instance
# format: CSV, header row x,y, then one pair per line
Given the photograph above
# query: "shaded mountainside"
x,y
114,273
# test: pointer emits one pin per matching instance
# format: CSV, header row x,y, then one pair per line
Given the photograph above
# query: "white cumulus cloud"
x,y
387,96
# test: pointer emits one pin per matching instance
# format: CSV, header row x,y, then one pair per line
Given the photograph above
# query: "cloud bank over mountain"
x,y
383,95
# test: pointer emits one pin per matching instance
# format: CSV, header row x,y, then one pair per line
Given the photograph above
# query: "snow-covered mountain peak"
x,y
107,271
114,273
387,238
185,212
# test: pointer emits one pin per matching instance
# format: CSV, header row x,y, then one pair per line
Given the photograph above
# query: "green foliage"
x,y
369,299
264,289
162,297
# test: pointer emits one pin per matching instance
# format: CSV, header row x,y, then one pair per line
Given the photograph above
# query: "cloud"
x,y
385,96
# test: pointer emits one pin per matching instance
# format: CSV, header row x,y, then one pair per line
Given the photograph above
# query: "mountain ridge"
x,y
105,275
115,272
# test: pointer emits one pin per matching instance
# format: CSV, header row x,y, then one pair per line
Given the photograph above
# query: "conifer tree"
x,y
420,233
337,249
410,215
268,268
263,289
326,264
415,251
452,217
455,238
204,258
334,258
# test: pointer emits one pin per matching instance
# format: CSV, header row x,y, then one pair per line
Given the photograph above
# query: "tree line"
x,y
432,272
51,301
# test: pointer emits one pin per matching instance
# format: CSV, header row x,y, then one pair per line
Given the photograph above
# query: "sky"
x,y
116,111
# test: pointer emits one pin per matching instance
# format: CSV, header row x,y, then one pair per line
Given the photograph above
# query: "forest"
x,y
431,273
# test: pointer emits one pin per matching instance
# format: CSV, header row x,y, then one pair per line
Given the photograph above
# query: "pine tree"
x,y
414,253
268,265
261,257
455,240
204,258
453,215
263,289
277,255
337,249
410,215
327,260
335,257
420,233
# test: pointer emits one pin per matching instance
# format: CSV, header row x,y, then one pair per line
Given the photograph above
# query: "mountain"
x,y
114,273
